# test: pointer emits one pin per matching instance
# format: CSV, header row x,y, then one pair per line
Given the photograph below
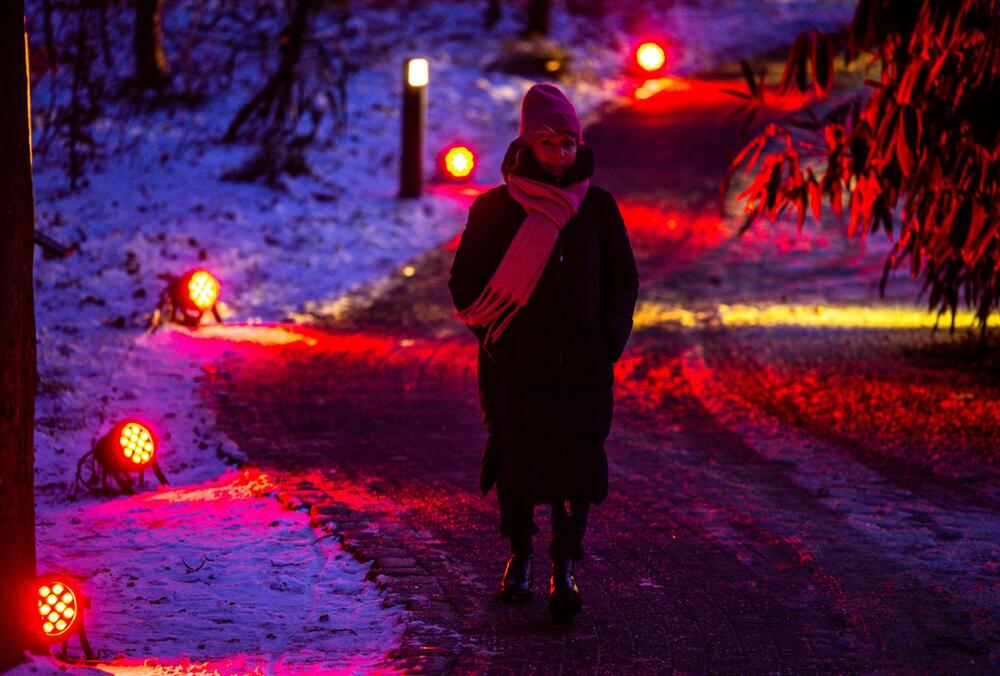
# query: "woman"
x,y
545,278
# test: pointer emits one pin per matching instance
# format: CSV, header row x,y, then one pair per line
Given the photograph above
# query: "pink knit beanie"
x,y
546,111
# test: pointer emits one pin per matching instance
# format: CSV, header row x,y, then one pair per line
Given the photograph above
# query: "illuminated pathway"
x,y
795,485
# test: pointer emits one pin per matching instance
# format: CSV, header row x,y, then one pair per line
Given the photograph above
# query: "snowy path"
x,y
727,442
750,527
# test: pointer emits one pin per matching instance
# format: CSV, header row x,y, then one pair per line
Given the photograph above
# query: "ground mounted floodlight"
x,y
416,75
458,162
59,609
187,298
650,57
130,447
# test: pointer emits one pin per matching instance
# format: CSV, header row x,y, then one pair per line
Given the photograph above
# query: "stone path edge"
x,y
426,646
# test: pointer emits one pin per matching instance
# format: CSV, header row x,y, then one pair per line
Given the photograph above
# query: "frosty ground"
x,y
212,573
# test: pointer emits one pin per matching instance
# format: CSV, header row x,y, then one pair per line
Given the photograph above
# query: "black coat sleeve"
x,y
619,280
475,260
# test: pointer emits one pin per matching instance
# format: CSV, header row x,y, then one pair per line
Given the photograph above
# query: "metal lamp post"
x,y
415,78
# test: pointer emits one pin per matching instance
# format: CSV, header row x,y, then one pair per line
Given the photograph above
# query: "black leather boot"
x,y
515,587
564,596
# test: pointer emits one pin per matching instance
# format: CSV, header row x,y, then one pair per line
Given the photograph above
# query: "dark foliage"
x,y
533,58
273,116
67,122
492,16
539,18
917,156
87,72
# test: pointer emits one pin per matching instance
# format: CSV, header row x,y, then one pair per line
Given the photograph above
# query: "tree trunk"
x,y
267,113
17,341
492,17
150,61
539,13
590,8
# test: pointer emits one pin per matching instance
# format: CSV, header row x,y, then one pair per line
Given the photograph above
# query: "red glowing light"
x,y
459,162
137,444
187,298
57,608
650,56
128,447
203,289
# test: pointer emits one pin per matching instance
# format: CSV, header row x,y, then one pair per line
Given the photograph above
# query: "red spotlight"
x,y
129,447
202,290
650,57
458,162
186,299
59,609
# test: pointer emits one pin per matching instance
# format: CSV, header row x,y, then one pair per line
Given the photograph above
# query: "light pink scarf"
x,y
549,208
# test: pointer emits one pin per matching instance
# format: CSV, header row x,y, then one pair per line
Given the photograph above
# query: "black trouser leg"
x,y
517,520
568,531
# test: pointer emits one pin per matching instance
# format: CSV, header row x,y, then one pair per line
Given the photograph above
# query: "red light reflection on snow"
x,y
644,379
452,357
463,194
658,85
948,422
257,334
234,665
251,665
931,420
692,95
250,484
362,382
256,345
671,238
259,343
195,503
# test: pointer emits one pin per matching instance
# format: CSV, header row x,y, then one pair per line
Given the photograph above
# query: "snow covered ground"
x,y
269,597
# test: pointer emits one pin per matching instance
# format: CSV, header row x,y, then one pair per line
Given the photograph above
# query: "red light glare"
x,y
203,289
57,609
650,56
137,444
459,162
128,447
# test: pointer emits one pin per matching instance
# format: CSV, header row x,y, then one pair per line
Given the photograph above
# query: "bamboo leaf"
x,y
748,76
837,199
747,222
975,243
737,111
801,68
795,63
773,187
816,197
822,64
904,142
757,143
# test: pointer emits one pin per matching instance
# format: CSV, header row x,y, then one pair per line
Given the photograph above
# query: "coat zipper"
x,y
562,377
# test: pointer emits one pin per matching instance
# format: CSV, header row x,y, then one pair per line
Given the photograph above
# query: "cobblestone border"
x,y
404,581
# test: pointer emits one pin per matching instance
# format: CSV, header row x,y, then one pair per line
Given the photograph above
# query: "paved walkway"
x,y
749,528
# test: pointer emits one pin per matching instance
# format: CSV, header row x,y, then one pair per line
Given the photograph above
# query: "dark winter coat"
x,y
545,386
